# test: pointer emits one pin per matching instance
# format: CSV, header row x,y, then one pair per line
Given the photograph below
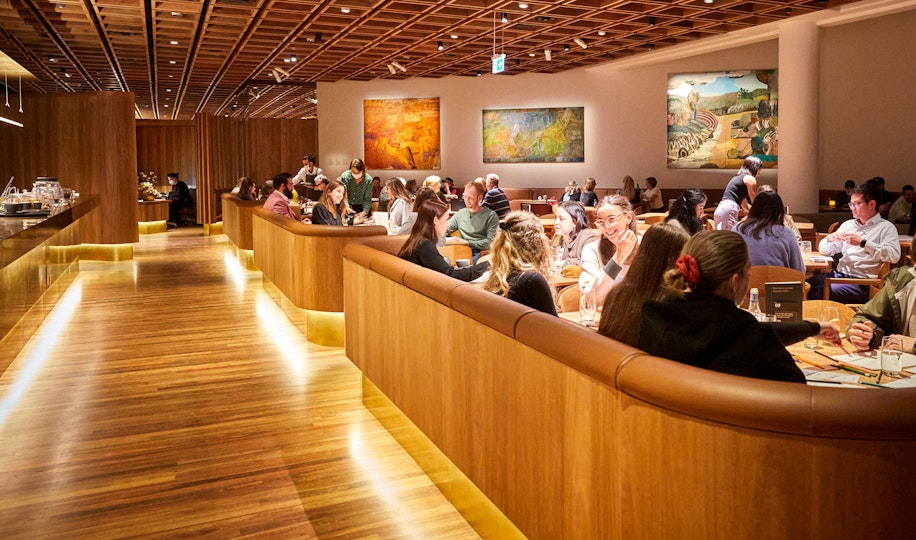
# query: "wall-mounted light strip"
x,y
11,121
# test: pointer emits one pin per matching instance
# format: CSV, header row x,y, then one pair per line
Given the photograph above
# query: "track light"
x,y
651,21
547,54
399,66
392,70
602,33
314,101
279,74
522,5
708,1
478,74
293,58
580,42
504,18
566,48
439,45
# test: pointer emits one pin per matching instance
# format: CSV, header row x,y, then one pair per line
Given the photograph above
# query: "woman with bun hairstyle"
x,y
701,324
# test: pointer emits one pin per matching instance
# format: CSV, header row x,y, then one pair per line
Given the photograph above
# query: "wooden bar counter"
x,y
36,263
153,216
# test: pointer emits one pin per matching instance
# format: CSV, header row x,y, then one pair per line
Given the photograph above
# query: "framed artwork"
x,y
401,133
554,135
715,120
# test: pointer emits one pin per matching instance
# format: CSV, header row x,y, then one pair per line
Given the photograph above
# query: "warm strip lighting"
x,y
10,121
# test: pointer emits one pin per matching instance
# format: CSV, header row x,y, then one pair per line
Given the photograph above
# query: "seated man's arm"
x,y
878,314
452,225
887,246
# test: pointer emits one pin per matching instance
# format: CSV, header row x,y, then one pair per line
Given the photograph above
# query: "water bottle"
x,y
754,305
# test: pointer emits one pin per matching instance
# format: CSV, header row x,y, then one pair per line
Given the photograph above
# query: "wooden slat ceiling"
x,y
182,57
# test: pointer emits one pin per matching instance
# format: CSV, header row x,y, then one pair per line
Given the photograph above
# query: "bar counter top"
x,y
19,235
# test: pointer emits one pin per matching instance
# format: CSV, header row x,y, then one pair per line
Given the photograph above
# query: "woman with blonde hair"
x,y
629,190
520,268
399,208
700,323
332,206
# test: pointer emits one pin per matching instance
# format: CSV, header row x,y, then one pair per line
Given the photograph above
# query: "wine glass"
x,y
588,306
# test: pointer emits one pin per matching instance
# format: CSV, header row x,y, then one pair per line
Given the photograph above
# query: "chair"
x,y
568,299
874,284
761,275
188,214
811,309
833,226
651,218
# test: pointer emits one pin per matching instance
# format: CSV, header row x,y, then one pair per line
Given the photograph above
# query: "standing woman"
x,y
688,211
400,206
703,326
769,242
588,197
420,247
359,187
739,193
521,263
571,227
331,207
607,259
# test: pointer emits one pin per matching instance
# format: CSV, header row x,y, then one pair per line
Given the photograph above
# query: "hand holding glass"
x,y
587,307
831,316
891,353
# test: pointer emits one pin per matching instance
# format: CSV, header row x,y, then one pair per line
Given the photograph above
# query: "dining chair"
x,y
568,299
833,226
811,310
874,284
761,275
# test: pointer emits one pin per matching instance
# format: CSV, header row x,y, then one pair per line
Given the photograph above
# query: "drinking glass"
x,y
891,353
805,246
831,315
558,260
588,306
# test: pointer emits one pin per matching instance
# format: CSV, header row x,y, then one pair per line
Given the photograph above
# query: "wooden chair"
x,y
811,310
568,299
833,226
455,252
874,284
761,275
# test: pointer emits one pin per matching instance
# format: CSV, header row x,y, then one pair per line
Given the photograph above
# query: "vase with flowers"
x,y
146,186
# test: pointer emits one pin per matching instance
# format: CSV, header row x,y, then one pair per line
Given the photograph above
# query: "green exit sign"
x,y
499,63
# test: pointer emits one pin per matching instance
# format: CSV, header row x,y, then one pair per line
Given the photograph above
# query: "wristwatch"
x,y
862,243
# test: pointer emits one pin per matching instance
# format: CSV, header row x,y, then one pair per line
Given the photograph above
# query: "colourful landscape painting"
x,y
401,133
555,135
715,120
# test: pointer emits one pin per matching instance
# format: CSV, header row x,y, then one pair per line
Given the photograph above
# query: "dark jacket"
x,y
530,288
427,256
323,216
709,331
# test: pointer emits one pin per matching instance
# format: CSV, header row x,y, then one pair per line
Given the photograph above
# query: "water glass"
x,y
588,306
805,246
559,260
891,356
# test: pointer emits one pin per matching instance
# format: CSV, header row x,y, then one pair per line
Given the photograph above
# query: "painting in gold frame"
x,y
401,133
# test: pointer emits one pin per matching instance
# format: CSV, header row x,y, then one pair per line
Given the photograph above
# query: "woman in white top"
x,y
607,260
400,206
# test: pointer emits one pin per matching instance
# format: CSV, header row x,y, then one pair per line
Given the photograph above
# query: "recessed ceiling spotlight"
x,y
168,89
651,21
173,42
708,1
64,72
345,10
314,101
566,47
522,5
176,14
602,33
293,58
52,59
166,106
478,74
172,62
454,36
581,42
287,60
439,45
504,18
531,54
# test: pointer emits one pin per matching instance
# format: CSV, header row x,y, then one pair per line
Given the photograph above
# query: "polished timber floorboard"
x,y
174,396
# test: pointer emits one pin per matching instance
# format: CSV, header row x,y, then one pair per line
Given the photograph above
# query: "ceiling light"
x,y
399,66
651,21
522,5
168,89
176,14
602,33
392,70
286,60
478,74
504,18
651,46
293,58
547,54
317,37
708,1
64,72
172,62
345,10
566,47
581,42
439,45
454,36
166,106
314,101
52,59
531,54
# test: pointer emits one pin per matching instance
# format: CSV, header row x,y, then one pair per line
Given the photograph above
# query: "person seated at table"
x,y
434,183
278,200
885,198
607,260
660,247
700,324
399,208
629,190
588,197
420,247
332,206
571,231
787,220
247,189
571,192
412,187
495,199
769,242
377,187
423,195
520,268
179,198
652,195
842,200
452,192
477,225
266,190
888,313
687,211
864,242
900,210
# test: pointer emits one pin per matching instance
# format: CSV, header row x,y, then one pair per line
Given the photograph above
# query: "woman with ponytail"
x,y
701,324
520,268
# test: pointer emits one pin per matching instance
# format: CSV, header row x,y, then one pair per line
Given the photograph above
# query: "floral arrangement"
x,y
146,183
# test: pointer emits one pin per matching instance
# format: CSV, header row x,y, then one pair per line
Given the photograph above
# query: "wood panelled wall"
x,y
276,146
220,161
165,146
87,140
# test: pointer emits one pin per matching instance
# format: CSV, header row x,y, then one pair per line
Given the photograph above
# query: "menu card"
x,y
784,300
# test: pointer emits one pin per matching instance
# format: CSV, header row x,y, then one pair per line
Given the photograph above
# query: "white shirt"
x,y
653,196
300,176
882,244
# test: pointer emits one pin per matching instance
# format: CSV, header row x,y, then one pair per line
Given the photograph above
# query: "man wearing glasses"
x,y
476,224
864,244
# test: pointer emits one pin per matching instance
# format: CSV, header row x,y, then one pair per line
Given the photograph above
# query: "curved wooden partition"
x,y
305,262
572,435
237,220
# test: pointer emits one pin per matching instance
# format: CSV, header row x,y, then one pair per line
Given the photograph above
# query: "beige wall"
x,y
625,110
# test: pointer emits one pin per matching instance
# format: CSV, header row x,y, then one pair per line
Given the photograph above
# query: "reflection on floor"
x,y
174,395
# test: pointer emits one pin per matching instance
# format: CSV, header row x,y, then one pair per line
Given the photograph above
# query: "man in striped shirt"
x,y
496,199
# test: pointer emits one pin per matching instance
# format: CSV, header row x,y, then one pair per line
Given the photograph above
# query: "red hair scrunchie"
x,y
688,268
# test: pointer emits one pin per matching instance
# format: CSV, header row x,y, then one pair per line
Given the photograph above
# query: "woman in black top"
x,y
687,211
331,207
588,197
521,263
739,194
420,247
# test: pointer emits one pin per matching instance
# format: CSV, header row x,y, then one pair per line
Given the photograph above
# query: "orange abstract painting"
x,y
401,133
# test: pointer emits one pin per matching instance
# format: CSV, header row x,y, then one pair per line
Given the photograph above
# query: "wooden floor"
x,y
174,395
